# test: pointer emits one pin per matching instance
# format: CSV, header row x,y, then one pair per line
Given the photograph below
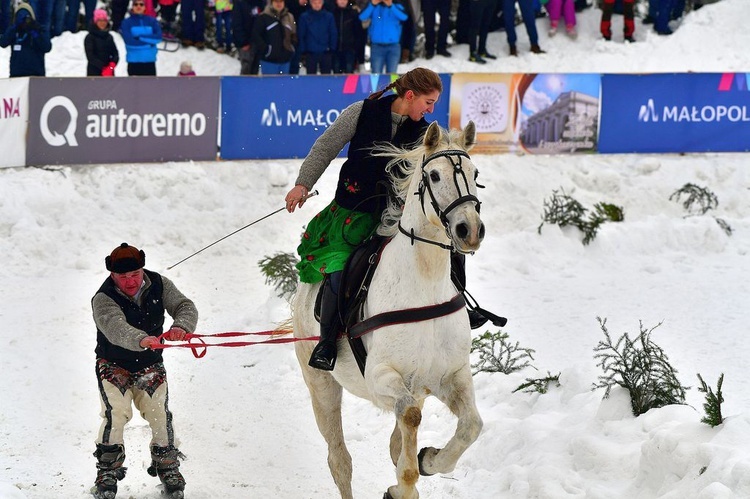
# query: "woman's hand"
x,y
296,197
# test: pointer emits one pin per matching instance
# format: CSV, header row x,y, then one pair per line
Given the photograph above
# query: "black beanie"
x,y
125,258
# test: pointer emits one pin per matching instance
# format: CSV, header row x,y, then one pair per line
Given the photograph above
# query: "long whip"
x,y
309,195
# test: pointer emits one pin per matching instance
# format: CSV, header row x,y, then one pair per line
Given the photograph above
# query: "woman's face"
x,y
277,5
419,105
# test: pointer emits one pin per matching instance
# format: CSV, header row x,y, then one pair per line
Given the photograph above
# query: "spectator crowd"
x,y
318,36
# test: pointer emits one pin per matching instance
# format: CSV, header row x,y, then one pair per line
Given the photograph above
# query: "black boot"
x,y
109,470
324,355
165,464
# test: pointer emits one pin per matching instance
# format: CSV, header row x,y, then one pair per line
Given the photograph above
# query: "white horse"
x,y
408,362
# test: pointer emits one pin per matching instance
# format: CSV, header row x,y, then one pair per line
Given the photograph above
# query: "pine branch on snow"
x,y
496,354
641,367
713,402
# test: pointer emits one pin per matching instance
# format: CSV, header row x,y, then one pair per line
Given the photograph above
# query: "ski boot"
x,y
110,470
165,464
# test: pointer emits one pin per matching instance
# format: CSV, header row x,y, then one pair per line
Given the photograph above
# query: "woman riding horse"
x,y
418,340
355,211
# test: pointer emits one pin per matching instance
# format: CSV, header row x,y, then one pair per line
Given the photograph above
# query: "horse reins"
x,y
455,157
195,342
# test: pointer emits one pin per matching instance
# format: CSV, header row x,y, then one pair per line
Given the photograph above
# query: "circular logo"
x,y
486,104
53,138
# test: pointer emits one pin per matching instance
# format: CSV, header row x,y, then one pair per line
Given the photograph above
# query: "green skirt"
x,y
329,240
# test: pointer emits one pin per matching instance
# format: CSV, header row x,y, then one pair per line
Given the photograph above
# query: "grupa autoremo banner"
x,y
122,120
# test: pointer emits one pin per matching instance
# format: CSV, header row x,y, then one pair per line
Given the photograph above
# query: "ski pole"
x,y
309,195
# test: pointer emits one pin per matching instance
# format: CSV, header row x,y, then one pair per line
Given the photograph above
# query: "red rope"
x,y
203,346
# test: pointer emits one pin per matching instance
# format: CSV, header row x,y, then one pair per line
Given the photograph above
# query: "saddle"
x,y
355,284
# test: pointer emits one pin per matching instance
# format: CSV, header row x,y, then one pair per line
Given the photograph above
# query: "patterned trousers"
x,y
120,390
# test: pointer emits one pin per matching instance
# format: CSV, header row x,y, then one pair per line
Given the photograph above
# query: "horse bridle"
x,y
455,157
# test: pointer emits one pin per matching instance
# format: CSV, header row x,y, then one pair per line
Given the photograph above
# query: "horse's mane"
x,y
405,163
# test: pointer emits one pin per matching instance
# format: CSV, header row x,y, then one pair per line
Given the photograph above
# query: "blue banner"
x,y
692,112
277,117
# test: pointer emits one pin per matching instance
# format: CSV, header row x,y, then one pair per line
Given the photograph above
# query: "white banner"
x,y
14,121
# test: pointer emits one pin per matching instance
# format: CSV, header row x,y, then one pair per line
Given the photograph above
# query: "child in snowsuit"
x,y
566,9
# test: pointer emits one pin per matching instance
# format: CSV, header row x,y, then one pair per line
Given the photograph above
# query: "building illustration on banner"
x,y
534,113
559,113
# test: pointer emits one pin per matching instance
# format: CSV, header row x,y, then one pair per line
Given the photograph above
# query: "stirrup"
x,y
479,316
476,320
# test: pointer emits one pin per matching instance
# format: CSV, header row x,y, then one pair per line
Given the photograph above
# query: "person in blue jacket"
x,y
28,42
385,34
661,12
317,35
142,35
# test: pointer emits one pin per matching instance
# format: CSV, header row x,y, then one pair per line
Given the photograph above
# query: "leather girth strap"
x,y
407,315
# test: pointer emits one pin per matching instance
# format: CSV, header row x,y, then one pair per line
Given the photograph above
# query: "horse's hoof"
x,y
420,458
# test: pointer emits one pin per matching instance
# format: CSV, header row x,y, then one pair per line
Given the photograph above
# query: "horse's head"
x,y
448,185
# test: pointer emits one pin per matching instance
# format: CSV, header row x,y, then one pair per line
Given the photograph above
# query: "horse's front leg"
x,y
389,387
395,445
457,393
326,394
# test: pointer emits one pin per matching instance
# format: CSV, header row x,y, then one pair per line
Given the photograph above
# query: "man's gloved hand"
x,y
175,334
149,342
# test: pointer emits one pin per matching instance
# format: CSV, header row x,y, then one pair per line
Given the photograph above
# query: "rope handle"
x,y
199,347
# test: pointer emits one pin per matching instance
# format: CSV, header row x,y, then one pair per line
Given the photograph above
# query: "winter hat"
x,y
23,6
125,258
100,14
186,67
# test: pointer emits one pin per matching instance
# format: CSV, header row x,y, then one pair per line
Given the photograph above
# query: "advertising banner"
x,y
536,113
122,120
691,112
14,120
489,100
276,117
558,113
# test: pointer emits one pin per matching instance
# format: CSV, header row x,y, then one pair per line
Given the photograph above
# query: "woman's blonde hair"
x,y
419,80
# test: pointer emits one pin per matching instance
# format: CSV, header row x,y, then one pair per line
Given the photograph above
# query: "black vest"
x,y
148,318
361,173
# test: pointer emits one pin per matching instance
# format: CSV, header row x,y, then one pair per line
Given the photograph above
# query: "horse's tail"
x,y
283,328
